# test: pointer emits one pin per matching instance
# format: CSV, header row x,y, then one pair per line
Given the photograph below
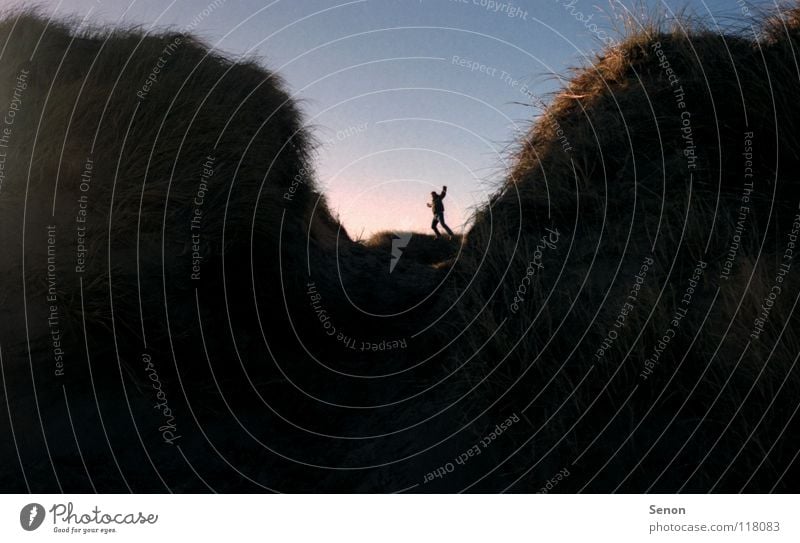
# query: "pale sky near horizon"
x,y
404,96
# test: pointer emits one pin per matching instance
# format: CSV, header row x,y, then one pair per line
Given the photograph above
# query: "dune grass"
x,y
509,318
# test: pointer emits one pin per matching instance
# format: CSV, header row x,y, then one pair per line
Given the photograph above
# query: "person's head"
x,y
433,193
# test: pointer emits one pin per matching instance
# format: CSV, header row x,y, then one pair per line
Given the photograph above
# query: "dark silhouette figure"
x,y
438,212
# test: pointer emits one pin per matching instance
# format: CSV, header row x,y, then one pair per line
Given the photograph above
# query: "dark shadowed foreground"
x,y
182,312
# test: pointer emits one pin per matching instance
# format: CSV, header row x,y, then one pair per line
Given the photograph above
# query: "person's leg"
x,y
433,225
444,224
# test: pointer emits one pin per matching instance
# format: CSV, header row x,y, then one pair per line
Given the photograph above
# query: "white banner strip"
x,y
400,518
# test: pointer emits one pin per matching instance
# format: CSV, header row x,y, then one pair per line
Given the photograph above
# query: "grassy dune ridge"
x,y
162,225
669,133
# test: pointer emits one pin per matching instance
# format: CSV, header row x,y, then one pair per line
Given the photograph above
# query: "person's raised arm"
x,y
444,191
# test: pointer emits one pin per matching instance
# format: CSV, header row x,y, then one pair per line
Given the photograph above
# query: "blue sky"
x,y
404,96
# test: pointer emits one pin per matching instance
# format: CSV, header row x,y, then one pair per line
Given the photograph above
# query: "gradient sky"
x,y
381,82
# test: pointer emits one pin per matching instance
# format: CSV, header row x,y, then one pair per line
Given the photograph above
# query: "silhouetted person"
x,y
438,212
